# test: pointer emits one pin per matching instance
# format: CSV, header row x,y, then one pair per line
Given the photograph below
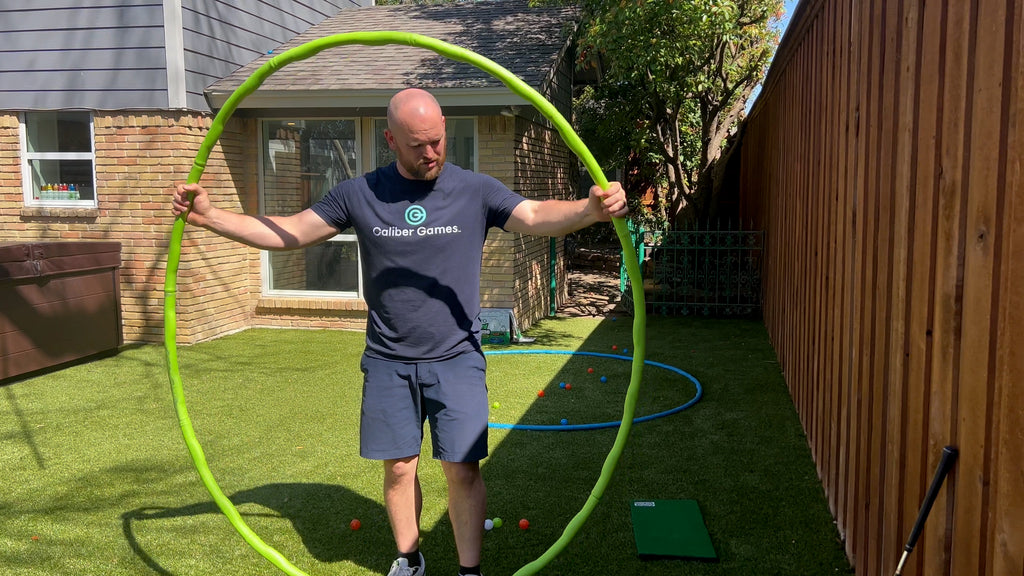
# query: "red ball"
x,y
614,347
540,393
355,524
524,524
590,370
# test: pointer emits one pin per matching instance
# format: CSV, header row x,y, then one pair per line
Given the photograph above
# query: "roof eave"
x,y
496,96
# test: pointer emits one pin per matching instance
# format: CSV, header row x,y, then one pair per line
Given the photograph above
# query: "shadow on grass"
x,y
26,430
316,512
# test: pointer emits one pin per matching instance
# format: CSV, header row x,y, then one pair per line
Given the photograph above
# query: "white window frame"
x,y
266,272
26,169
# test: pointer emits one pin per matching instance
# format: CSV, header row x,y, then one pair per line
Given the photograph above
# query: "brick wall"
x,y
139,158
545,169
496,149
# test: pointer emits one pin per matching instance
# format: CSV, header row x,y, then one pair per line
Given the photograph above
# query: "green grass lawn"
x,y
97,479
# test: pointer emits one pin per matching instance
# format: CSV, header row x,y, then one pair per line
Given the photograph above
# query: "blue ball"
x,y
565,421
604,378
561,384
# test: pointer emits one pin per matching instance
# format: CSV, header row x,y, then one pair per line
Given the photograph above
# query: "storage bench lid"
x,y
28,260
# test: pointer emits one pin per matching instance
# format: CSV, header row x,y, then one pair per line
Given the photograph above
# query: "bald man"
x,y
421,226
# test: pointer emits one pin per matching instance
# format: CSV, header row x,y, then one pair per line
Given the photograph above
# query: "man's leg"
x,y
467,508
404,501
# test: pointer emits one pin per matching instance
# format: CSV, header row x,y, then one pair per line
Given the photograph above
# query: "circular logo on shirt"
x,y
415,215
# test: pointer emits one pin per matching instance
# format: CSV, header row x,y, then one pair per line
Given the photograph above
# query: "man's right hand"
x,y
200,203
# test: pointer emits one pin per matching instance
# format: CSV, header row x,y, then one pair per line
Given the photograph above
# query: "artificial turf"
x,y
98,480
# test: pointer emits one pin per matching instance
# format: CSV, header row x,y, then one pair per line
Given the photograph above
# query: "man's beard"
x,y
422,172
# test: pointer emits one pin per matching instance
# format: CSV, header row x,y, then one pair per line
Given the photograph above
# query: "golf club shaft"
x,y
949,454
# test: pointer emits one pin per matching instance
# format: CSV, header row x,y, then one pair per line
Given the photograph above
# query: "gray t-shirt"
x,y
421,244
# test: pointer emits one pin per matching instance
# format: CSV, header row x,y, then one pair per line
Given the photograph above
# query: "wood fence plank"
x,y
921,277
875,247
845,263
877,348
1008,476
897,412
948,296
830,240
976,389
861,107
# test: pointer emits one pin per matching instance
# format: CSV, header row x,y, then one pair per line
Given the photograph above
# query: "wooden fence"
x,y
884,161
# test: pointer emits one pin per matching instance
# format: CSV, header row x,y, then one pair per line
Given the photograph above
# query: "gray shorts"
x,y
399,396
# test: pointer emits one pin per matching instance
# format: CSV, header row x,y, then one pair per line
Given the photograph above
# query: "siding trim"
x,y
174,42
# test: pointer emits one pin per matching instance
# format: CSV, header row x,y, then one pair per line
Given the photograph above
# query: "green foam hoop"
x,y
517,86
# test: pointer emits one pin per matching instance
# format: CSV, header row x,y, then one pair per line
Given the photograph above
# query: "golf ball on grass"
x,y
488,524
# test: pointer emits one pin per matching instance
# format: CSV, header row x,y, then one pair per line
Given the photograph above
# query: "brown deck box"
x,y
59,302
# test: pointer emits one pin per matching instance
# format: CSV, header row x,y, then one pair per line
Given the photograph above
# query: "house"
x,y
123,138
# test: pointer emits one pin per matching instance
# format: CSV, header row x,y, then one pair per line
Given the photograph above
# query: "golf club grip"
x,y
949,454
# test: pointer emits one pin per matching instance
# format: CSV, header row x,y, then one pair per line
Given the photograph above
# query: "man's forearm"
x,y
263,232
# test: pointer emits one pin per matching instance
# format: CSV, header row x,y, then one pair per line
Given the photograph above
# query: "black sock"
x,y
469,570
413,557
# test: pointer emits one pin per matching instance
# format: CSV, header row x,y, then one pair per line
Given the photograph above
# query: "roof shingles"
x,y
527,41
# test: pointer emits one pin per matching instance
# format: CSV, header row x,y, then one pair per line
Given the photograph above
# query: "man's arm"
x,y
560,217
265,232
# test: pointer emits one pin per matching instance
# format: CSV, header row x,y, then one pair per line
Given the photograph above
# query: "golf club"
x,y
949,454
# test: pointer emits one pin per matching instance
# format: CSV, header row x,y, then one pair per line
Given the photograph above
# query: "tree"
x,y
676,77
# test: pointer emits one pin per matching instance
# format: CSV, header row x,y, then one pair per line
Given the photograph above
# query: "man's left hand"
x,y
606,204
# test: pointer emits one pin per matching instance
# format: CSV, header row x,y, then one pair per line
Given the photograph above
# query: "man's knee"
x,y
401,468
462,473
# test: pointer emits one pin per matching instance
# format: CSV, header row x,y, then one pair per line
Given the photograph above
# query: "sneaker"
x,y
400,567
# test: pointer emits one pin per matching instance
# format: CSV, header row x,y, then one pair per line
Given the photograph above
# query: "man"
x,y
421,226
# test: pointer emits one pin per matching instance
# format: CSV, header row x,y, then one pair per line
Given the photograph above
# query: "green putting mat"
x,y
674,528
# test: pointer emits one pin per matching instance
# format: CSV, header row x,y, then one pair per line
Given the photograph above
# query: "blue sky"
x,y
790,6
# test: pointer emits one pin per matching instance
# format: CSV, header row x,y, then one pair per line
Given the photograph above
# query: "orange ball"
x,y
540,393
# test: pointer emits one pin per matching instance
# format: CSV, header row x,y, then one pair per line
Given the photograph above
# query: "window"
x,y
58,159
460,146
301,161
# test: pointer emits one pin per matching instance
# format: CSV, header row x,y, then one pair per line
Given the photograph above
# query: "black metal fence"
x,y
699,272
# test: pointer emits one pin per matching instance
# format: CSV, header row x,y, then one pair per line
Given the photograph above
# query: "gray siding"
x,y
221,36
111,54
72,54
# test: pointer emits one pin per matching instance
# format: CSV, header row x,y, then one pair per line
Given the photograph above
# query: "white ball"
x,y
488,524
